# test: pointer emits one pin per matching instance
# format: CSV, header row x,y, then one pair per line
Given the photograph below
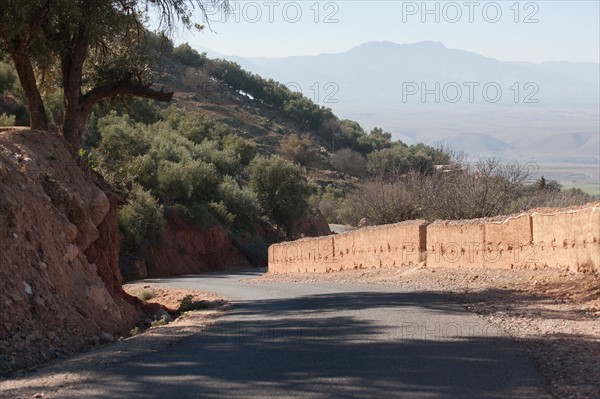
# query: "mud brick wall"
x,y
503,243
375,247
566,239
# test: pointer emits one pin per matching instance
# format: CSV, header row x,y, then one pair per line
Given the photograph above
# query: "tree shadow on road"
x,y
330,346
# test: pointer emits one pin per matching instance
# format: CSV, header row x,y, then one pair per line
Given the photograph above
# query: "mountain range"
x,y
429,93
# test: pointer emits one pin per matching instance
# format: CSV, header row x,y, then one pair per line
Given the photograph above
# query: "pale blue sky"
x,y
565,31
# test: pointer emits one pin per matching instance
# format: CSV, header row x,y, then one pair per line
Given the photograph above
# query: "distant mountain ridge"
x,y
383,84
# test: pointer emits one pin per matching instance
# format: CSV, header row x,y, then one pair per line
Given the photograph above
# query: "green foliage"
x,y
7,120
390,163
186,55
298,149
269,92
134,331
198,213
141,219
192,125
146,295
54,107
329,202
241,202
282,189
246,150
187,304
220,212
7,77
163,321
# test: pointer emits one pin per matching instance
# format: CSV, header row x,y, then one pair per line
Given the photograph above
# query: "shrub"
x,y
187,304
242,203
349,162
220,212
7,77
146,295
163,321
141,219
244,148
298,149
7,120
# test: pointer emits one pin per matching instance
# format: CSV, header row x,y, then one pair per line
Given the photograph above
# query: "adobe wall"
x,y
503,243
565,239
568,240
374,247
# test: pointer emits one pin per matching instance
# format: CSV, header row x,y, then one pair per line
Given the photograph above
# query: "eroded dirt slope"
x,y
59,282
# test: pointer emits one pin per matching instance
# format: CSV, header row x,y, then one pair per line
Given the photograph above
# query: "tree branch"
x,y
36,24
128,88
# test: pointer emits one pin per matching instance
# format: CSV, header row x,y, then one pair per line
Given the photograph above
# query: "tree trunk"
x,y
75,116
35,104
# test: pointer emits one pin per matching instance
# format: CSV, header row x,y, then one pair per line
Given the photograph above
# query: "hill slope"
x,y
61,289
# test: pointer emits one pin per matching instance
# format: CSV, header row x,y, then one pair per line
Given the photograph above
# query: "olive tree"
x,y
90,49
282,189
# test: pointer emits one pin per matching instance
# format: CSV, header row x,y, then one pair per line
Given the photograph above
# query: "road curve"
x,y
326,341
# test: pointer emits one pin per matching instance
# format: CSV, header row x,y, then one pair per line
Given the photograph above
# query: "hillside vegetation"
x,y
243,152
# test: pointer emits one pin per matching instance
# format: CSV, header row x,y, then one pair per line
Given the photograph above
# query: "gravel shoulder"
x,y
553,315
62,374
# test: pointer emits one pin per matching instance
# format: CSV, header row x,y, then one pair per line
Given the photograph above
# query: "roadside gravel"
x,y
554,315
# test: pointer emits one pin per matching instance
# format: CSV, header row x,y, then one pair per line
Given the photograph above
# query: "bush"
x,y
187,304
7,120
220,212
134,331
197,213
349,162
141,219
163,321
383,202
244,148
146,295
242,203
7,77
298,149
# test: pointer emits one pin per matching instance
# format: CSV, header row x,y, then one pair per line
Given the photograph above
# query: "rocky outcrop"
x,y
185,249
314,225
59,282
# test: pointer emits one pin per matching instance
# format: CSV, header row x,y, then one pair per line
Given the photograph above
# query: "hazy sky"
x,y
535,31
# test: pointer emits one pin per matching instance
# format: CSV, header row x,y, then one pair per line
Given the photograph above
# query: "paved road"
x,y
328,341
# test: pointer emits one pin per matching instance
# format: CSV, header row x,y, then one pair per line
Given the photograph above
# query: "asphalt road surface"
x,y
327,341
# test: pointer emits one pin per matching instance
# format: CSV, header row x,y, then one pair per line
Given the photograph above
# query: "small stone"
x,y
99,207
39,395
27,288
71,252
43,265
70,232
15,235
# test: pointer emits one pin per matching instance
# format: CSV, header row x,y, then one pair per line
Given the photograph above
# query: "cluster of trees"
x,y
173,158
